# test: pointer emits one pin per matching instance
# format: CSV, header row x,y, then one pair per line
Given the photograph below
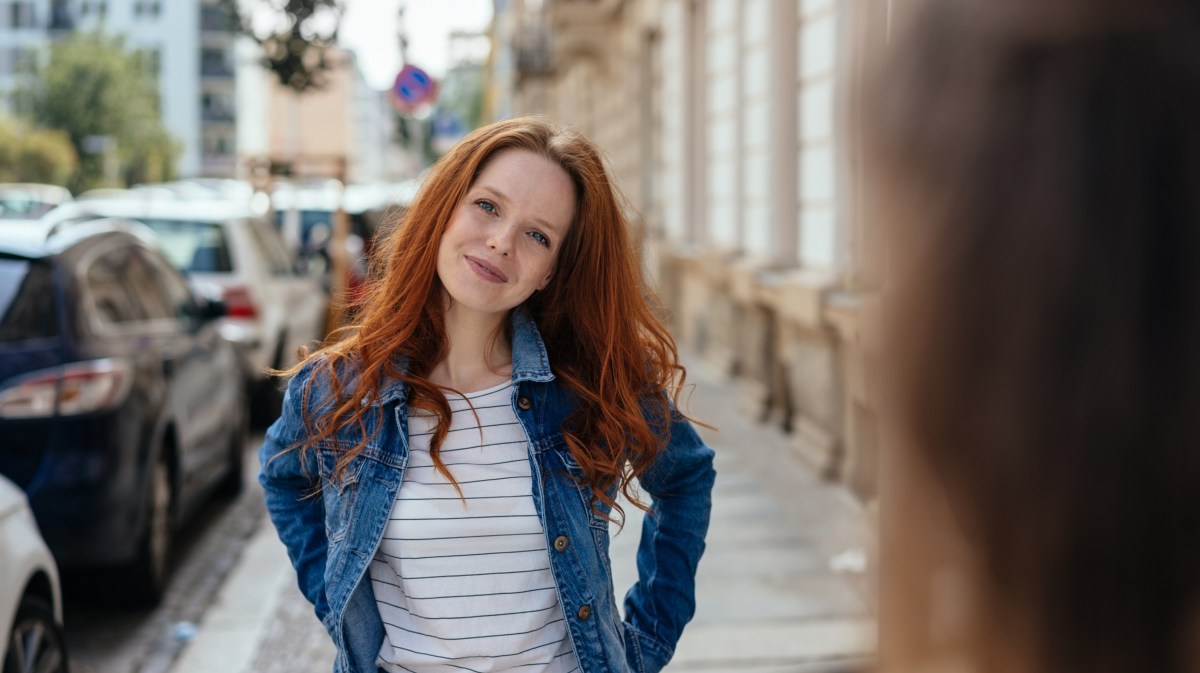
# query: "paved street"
x,y
105,638
781,588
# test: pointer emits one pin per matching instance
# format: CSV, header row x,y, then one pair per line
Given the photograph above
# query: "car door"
x,y
113,324
203,380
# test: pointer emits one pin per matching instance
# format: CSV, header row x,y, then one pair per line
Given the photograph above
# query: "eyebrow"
x,y
504,197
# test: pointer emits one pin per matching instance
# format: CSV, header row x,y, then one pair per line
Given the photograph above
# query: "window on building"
x,y
151,60
24,59
16,60
21,14
217,106
219,145
99,8
61,17
147,8
213,62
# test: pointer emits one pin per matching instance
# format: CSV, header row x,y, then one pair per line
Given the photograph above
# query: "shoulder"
x,y
322,379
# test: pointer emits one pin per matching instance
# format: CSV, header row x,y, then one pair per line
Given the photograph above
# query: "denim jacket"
x,y
331,534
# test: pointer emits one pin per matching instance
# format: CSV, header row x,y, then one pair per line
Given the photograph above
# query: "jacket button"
x,y
584,612
561,543
525,403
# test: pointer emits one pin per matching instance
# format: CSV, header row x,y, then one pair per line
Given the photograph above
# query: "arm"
x,y
663,600
290,478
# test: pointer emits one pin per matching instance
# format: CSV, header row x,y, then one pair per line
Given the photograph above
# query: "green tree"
x,y
35,155
100,94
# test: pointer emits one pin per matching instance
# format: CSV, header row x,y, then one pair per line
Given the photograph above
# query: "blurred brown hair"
x,y
1039,168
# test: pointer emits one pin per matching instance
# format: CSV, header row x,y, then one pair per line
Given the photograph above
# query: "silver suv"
x,y
272,308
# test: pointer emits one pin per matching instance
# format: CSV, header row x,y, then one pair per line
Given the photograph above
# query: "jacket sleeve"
x,y
290,479
663,600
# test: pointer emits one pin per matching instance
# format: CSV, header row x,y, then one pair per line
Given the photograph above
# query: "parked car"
x,y
28,200
31,614
121,407
273,309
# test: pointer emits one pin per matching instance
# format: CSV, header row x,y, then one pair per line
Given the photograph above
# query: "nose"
x,y
500,238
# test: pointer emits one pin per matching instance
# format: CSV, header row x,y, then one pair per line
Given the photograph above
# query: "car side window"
x,y
267,240
146,280
129,284
171,285
109,290
28,302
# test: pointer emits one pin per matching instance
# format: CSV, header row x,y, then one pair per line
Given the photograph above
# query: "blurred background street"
x,y
234,163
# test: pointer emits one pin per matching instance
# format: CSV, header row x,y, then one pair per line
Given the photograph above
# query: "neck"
x,y
478,354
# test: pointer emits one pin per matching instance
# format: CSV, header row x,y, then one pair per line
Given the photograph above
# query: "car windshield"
x,y
193,246
27,302
309,219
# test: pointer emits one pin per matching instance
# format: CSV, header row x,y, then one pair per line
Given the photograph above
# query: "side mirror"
x,y
207,303
211,309
205,309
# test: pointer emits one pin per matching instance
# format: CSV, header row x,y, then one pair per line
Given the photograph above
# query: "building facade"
x,y
187,46
346,124
725,123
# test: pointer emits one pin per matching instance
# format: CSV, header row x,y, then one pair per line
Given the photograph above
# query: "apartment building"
x,y
188,48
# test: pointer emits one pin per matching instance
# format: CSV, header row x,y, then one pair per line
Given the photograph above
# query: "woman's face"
x,y
503,240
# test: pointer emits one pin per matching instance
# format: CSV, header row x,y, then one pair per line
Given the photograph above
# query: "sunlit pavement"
x,y
781,589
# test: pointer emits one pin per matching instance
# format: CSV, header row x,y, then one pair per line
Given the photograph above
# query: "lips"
x,y
486,271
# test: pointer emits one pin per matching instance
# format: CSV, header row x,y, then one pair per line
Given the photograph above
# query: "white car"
x,y
24,200
31,614
272,308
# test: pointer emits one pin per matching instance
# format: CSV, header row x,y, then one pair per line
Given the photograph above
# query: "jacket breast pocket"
x,y
595,508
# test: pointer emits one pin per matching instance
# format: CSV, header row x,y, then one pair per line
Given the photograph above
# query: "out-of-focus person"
x,y
1038,168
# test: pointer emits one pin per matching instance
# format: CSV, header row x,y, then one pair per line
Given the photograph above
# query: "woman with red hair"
x,y
444,471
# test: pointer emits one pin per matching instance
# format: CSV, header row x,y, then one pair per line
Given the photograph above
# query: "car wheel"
x,y
234,481
36,642
149,572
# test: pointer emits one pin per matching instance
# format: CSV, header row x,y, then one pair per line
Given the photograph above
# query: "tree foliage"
x,y
35,155
296,49
91,87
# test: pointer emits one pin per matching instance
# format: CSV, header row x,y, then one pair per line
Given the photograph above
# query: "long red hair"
x,y
599,320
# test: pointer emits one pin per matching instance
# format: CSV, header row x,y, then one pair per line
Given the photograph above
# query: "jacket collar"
x,y
530,362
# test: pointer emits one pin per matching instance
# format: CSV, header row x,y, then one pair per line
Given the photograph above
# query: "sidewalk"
x,y
780,589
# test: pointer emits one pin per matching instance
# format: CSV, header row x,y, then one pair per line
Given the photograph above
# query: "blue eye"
x,y
486,206
540,238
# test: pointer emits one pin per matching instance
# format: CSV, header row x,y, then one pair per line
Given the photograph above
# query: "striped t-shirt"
x,y
466,585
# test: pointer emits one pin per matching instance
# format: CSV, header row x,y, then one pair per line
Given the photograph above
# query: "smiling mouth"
x,y
486,271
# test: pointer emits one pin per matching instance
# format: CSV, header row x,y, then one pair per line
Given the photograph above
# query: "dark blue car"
x,y
121,407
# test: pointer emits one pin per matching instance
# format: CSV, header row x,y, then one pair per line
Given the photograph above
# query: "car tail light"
x,y
238,302
70,390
